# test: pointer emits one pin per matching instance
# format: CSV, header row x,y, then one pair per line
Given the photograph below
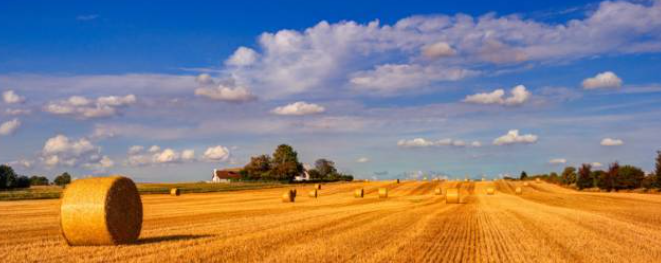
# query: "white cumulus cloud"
x,y
243,56
513,137
217,153
558,161
9,127
422,142
83,108
519,95
62,150
437,50
299,108
611,142
10,97
606,79
226,90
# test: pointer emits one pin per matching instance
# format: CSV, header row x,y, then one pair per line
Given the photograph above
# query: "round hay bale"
x,y
526,183
397,181
359,193
452,196
518,191
175,192
438,191
313,193
538,180
490,191
101,211
289,196
383,192
317,186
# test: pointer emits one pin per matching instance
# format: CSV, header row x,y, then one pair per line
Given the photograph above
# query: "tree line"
x,y
283,165
10,180
616,177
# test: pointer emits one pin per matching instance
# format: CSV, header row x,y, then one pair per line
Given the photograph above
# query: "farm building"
x,y
305,176
225,175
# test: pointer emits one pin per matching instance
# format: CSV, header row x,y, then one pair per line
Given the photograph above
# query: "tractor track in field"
x,y
547,223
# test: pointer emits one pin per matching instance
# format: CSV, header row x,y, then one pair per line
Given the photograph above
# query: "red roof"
x,y
228,174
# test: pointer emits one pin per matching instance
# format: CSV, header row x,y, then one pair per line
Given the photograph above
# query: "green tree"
x,y
607,179
62,179
568,175
285,164
258,167
524,176
38,180
596,176
649,181
22,182
629,177
584,179
554,178
326,168
7,177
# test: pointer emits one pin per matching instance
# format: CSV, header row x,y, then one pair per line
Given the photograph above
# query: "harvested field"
x,y
546,223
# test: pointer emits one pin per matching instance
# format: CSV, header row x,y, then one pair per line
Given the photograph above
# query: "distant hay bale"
x,y
490,191
518,191
397,181
452,196
383,192
438,191
101,211
526,183
289,196
313,193
175,191
317,186
359,193
538,180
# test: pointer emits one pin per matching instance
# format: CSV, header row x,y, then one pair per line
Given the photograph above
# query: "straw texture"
x,y
452,196
289,196
101,211
359,193
383,192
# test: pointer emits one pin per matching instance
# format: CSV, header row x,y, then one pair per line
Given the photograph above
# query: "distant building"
x,y
303,177
225,175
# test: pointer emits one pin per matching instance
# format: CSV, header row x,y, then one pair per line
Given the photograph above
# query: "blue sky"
x,y
169,91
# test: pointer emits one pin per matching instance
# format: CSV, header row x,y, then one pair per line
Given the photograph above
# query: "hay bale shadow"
x,y
151,240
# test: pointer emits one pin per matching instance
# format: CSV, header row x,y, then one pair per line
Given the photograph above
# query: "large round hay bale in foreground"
x,y
383,192
359,193
101,211
438,191
490,191
317,186
289,196
452,196
518,191
175,191
313,193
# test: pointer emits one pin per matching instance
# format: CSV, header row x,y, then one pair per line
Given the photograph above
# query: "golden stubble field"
x,y
545,224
